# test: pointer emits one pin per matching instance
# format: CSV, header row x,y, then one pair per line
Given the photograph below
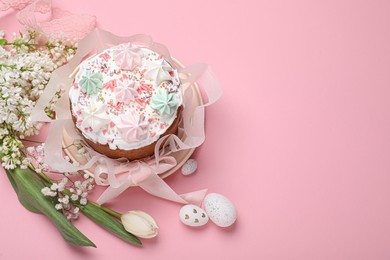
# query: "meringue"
x,y
95,116
158,71
131,126
125,92
164,103
91,83
128,57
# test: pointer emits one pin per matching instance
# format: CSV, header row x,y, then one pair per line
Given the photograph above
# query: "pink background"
x,y
300,141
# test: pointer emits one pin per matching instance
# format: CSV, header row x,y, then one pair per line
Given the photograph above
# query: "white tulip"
x,y
140,224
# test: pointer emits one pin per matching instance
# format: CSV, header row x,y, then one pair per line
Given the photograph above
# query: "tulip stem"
x,y
109,211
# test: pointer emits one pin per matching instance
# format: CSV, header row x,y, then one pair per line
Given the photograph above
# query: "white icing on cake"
x,y
117,110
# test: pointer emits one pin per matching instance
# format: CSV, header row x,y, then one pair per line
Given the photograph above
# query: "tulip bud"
x,y
139,224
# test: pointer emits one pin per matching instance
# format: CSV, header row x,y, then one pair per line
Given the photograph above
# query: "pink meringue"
x,y
131,126
127,57
125,91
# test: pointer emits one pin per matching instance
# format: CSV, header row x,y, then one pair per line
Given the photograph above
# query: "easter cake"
x,y
124,99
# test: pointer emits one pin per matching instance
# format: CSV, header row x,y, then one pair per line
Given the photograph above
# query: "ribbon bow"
x,y
118,176
145,175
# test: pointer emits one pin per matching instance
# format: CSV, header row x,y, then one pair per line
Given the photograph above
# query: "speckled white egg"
x,y
220,210
192,215
189,167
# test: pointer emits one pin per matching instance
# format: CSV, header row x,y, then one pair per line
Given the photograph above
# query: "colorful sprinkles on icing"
x,y
126,97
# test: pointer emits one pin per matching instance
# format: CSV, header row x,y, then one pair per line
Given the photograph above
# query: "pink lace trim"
x,y
62,24
14,4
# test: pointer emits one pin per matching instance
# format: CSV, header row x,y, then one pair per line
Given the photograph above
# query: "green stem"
x,y
41,174
7,66
31,141
109,211
28,44
25,43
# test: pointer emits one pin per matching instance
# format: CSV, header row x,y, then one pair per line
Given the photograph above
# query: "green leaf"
x,y
109,223
21,199
3,42
12,181
28,188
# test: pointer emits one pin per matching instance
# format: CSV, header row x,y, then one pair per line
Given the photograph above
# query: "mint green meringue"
x,y
91,83
164,103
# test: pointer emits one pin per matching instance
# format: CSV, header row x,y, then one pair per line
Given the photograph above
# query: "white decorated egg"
x,y
220,210
189,167
192,215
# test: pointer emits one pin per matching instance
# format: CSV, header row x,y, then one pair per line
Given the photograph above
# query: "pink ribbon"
x,y
144,175
62,24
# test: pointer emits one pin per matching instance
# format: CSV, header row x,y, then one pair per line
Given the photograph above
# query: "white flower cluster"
x,y
36,154
12,154
26,65
70,196
72,189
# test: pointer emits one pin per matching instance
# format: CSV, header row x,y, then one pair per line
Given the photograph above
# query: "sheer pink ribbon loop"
x,y
53,148
193,120
145,175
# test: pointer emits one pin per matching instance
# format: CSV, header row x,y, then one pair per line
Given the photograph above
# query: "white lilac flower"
x,y
54,187
48,192
65,199
30,150
75,163
81,151
61,187
25,70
